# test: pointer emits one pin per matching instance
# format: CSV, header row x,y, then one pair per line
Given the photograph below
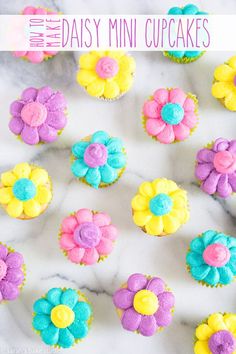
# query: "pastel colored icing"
x,y
25,191
224,83
62,317
38,116
36,56
144,304
100,160
216,335
107,67
170,115
216,168
106,74
211,258
87,237
160,207
188,9
11,273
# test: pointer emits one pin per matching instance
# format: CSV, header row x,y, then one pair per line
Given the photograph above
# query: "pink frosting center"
x,y
34,114
216,255
87,235
95,155
3,269
225,162
107,67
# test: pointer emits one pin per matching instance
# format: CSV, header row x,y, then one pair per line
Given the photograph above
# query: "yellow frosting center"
x,y
62,316
145,302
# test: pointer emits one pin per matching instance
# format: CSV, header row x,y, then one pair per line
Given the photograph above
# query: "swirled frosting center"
x,y
95,155
34,114
225,162
172,113
216,255
107,67
222,342
87,235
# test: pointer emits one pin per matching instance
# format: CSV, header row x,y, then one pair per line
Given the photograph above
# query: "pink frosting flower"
x,y
33,56
170,115
216,168
11,274
86,236
39,115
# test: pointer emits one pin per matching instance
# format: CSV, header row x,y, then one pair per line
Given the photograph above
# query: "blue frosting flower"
x,y
189,9
62,317
99,160
212,258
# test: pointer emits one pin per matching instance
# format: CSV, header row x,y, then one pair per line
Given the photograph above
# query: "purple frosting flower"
x,y
216,168
11,274
39,115
222,342
145,304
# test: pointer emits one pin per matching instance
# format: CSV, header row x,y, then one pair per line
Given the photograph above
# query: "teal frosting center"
x,y
161,204
24,189
172,113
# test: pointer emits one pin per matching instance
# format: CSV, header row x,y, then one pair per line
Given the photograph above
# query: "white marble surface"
x,y
134,251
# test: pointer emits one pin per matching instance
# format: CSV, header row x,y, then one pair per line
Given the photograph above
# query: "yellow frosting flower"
x,y
25,191
160,207
217,331
106,74
224,87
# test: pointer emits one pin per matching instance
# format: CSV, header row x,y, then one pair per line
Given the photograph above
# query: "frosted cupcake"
x,y
62,317
211,259
216,335
184,56
144,304
106,74
98,160
216,168
25,191
87,237
170,115
12,273
36,56
224,85
39,116
160,207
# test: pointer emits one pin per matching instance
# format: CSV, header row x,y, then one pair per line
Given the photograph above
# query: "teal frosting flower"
x,y
211,258
99,160
62,317
188,9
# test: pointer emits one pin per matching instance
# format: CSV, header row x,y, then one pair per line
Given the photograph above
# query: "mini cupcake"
x,y
170,115
144,304
216,168
216,335
62,317
98,160
224,85
160,207
87,237
25,191
182,56
106,75
12,273
39,116
36,56
211,259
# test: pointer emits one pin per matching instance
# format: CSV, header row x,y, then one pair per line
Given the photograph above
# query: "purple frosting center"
x,y
95,155
87,235
222,342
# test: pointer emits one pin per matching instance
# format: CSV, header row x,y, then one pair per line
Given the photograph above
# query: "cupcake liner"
x,y
184,60
102,184
101,258
89,322
23,268
44,206
189,95
120,312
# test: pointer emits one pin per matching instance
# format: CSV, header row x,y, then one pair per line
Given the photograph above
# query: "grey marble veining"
x,y
134,251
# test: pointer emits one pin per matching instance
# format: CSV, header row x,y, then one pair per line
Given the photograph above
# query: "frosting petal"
x,y
156,285
54,296
203,170
166,136
82,311
194,259
108,174
155,225
212,277
210,184
196,245
41,322
29,94
163,318
224,189
155,126
161,96
44,93
200,272
69,298
16,107
177,96
141,218
79,329
30,135
93,177
148,326
166,300
8,290
69,224
3,252
100,137
189,105
47,133
181,131
190,119
114,145
131,319
56,102
151,109
137,282
104,247
16,125
117,160
76,254
50,335
205,155
56,120
123,299
226,275
66,338
67,242
84,215
171,224
91,256
15,276
79,168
